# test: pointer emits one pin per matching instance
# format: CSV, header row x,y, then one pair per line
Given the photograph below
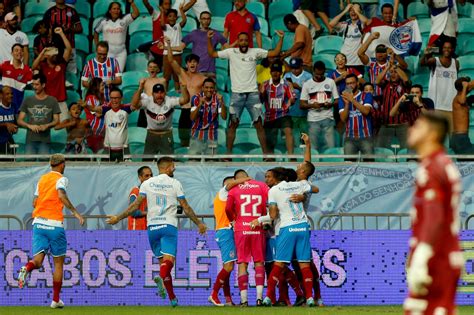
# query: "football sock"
x,y
290,277
56,289
316,287
220,281
165,274
259,280
243,287
307,281
273,281
227,288
283,289
30,266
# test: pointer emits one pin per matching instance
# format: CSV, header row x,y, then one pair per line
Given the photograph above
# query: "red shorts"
x,y
441,293
250,245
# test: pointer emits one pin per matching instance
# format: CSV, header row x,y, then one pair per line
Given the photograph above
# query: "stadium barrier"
x,y
365,216
8,218
468,219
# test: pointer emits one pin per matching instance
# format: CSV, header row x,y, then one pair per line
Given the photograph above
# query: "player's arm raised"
x,y
65,200
114,219
192,215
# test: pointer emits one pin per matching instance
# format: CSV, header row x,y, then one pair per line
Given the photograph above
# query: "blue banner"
x,y
348,188
118,267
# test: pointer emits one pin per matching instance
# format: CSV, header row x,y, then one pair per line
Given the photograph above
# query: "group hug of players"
x,y
271,228
435,257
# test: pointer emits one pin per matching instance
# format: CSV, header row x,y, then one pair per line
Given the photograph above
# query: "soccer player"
x,y
435,260
293,238
48,228
225,241
163,193
137,220
245,203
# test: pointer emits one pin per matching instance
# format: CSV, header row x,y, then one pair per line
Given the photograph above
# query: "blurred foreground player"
x,y
163,193
435,261
225,241
48,228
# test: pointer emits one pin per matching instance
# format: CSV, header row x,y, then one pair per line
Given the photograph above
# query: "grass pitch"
x,y
185,310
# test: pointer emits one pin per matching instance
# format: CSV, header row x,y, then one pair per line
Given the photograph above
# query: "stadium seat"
x,y
422,79
131,79
133,117
72,96
277,24
466,63
219,8
217,23
136,135
190,26
245,119
28,23
137,62
222,64
300,151
142,9
424,25
412,62
136,148
85,26
263,26
471,117
418,10
327,59
20,136
259,151
58,140
279,9
267,42
84,10
468,48
287,40
464,11
101,7
328,44
139,38
73,79
466,31
141,23
82,44
33,8
333,151
127,96
384,152
466,73
256,8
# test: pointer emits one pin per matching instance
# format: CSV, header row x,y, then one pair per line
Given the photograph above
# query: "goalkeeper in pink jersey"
x,y
245,203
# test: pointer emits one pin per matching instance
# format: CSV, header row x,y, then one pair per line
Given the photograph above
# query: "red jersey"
x,y
157,32
236,24
245,203
138,223
435,220
277,99
55,80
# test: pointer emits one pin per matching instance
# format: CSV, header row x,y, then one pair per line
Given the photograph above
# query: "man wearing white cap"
x,y
10,36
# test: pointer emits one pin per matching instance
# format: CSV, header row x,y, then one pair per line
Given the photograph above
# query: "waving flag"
x,y
404,38
444,19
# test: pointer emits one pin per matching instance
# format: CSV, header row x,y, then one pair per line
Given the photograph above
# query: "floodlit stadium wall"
x,y
344,188
117,268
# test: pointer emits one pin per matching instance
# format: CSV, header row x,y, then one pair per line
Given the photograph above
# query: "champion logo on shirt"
x,y
326,86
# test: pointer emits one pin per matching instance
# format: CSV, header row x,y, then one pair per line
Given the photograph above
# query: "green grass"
x,y
145,310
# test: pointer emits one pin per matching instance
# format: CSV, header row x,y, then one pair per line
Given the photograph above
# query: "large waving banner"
x,y
117,268
347,188
100,190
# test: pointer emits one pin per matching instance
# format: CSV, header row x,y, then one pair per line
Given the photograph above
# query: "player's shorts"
x,y
49,238
293,241
163,239
441,295
250,101
226,243
250,245
270,249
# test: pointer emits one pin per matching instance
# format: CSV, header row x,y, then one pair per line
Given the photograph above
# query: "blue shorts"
x,y
49,238
250,101
225,241
293,242
270,250
163,239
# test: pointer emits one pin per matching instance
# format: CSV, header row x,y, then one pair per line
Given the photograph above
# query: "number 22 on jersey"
x,y
249,205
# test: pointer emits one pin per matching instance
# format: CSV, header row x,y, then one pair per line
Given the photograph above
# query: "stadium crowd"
x,y
203,74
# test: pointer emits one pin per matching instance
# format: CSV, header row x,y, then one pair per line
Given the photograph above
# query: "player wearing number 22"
x,y
245,203
163,193
435,260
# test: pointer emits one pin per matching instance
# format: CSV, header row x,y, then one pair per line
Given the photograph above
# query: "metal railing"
x,y
8,218
353,216
468,219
